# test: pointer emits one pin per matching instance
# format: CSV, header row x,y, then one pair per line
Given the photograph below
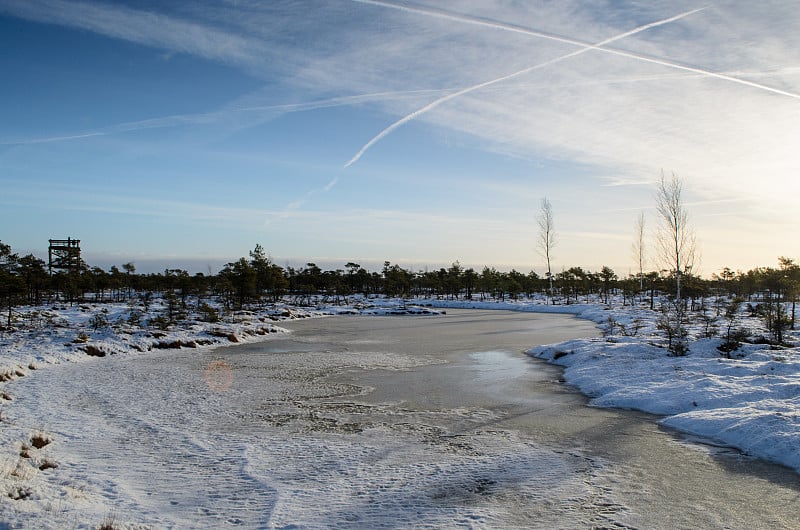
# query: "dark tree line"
x,y
256,280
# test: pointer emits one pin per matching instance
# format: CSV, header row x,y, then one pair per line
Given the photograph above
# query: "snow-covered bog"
x,y
61,333
750,402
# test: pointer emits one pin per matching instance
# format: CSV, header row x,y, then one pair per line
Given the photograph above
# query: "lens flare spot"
x,y
218,376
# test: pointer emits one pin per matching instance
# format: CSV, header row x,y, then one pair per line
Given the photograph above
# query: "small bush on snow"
x,y
40,439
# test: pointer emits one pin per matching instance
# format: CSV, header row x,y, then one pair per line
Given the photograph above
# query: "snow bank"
x,y
751,402
62,333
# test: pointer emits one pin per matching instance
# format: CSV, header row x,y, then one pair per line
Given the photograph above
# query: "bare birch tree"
x,y
677,245
547,236
638,247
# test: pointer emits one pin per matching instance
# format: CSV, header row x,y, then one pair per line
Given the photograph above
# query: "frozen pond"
x,y
381,422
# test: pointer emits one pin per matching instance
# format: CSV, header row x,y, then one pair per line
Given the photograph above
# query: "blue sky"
x,y
181,136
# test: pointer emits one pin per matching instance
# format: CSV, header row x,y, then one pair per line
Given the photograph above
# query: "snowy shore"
x,y
50,344
750,402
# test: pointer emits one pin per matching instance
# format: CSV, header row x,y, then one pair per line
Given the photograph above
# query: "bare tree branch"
x,y
547,235
676,239
638,247
676,243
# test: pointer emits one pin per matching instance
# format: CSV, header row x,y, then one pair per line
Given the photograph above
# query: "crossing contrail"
x,y
458,17
439,13
478,21
585,48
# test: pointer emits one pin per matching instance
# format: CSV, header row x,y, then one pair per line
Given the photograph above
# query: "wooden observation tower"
x,y
64,255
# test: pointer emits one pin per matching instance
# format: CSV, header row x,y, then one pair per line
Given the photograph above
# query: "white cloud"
x,y
143,27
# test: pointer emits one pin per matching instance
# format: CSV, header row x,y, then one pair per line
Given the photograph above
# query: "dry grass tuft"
x,y
20,493
94,351
48,463
109,523
40,439
22,470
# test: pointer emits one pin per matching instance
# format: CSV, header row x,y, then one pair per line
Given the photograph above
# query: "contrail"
x,y
341,101
700,71
439,13
457,17
467,19
436,103
211,117
53,139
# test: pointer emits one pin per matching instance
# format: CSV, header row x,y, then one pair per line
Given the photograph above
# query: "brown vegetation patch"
x,y
224,334
94,351
40,440
175,344
47,464
110,523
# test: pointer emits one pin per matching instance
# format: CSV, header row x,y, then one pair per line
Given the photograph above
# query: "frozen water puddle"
x,y
151,444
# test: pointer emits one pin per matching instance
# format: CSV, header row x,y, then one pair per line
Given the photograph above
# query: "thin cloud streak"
x,y
467,90
207,118
467,19
275,110
352,100
53,139
142,27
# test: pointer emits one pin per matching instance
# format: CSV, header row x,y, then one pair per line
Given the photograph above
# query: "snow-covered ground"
x,y
62,338
750,401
